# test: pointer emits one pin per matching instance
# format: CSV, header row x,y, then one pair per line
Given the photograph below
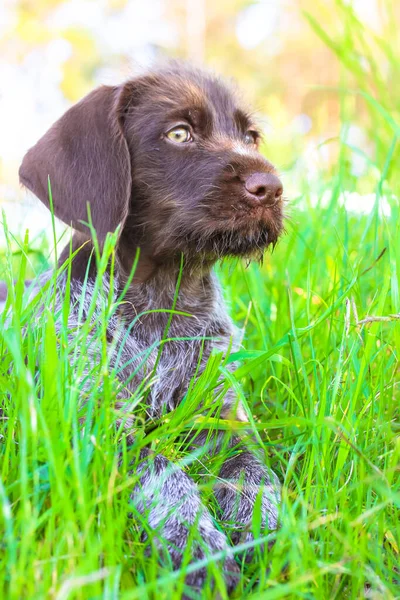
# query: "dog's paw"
x,y
243,512
201,580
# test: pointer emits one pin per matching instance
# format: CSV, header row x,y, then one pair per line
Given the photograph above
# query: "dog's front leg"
x,y
244,484
171,504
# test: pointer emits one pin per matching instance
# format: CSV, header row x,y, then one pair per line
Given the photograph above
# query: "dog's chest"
x,y
175,344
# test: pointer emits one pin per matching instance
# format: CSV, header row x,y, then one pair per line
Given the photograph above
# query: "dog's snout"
x,y
264,187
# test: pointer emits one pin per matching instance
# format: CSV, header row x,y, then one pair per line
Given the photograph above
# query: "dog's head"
x,y
171,157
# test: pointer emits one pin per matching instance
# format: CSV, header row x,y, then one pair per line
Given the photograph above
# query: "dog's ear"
x,y
86,157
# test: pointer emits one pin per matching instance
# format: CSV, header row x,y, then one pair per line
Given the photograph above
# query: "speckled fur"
x,y
179,202
168,496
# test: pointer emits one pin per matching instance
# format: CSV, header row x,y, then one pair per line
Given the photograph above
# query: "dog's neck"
x,y
154,286
148,266
160,278
154,278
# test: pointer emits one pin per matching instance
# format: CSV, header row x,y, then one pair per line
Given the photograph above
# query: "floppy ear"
x,y
86,156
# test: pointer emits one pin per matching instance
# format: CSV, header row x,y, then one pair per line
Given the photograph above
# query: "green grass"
x,y
369,58
324,390
322,383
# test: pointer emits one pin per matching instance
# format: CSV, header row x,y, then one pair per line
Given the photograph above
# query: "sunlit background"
x,y
301,64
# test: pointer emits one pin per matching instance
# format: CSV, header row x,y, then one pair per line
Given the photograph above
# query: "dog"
x,y
170,161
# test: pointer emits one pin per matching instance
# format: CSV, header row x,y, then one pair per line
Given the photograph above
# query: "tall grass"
x,y
319,371
369,57
323,387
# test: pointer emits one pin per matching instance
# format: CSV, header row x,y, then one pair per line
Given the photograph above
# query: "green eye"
x,y
179,135
250,137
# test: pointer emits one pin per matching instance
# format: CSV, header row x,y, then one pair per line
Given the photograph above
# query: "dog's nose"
x,y
264,187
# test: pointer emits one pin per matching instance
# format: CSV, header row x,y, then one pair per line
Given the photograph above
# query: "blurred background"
x,y
322,76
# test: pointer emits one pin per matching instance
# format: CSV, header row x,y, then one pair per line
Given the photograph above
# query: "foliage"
x,y
319,370
323,388
370,63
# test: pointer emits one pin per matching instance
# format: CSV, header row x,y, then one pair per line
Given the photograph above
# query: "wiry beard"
x,y
204,239
220,244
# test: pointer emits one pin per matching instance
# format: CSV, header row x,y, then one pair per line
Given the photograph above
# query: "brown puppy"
x,y
172,159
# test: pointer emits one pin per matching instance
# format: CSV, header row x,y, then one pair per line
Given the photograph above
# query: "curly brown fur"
x,y
209,196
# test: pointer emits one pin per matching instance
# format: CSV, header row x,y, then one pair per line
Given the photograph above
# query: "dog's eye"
x,y
250,137
179,135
